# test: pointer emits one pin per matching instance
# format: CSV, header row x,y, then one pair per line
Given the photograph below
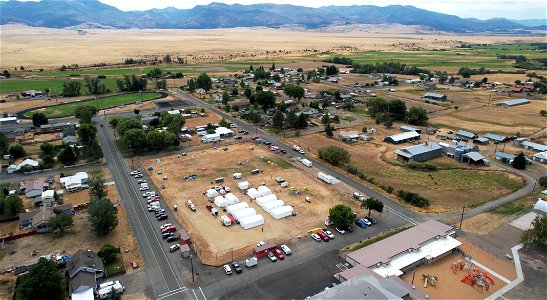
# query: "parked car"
x,y
358,196
315,237
340,230
148,194
162,227
153,206
227,270
328,233
366,221
152,201
133,173
167,234
172,239
160,211
174,248
286,249
138,176
371,220
272,257
279,254
134,264
171,228
144,188
237,267
301,151
360,223
283,151
141,181
162,217
349,229
323,236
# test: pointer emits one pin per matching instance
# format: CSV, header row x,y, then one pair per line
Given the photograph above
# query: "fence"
x,y
18,236
9,219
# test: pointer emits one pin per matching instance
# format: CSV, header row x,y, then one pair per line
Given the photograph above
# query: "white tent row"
x,y
244,185
264,190
251,221
231,198
268,207
244,213
235,207
211,193
281,212
263,200
220,201
253,193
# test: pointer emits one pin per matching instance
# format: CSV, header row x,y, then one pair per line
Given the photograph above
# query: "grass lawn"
x,y
360,110
63,110
55,85
115,266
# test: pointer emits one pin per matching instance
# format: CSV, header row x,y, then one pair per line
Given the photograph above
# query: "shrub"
x,y
423,166
352,169
334,155
413,198
387,188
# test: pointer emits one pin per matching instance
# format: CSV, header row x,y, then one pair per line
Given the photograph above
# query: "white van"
x,y
251,262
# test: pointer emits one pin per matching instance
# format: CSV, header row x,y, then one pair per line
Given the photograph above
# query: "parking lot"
x,y
216,244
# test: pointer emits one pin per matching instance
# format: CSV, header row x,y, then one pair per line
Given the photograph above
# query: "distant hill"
x,y
531,22
67,13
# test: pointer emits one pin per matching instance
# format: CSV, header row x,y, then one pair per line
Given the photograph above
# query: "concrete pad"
x,y
524,222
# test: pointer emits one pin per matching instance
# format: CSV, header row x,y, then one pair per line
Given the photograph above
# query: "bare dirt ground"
x,y
447,190
216,244
57,46
199,121
7,282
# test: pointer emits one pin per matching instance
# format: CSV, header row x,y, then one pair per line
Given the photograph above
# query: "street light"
x,y
192,265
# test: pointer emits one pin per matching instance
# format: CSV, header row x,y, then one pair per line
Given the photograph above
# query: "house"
x,y
540,157
495,138
466,134
75,182
436,97
402,137
457,149
40,221
504,156
31,93
516,90
400,253
408,128
514,102
25,219
68,131
224,132
51,127
28,163
322,95
309,111
524,143
421,152
481,141
33,189
70,140
348,136
47,197
475,158
85,261
82,286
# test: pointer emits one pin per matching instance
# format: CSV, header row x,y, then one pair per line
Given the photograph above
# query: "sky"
x,y
480,9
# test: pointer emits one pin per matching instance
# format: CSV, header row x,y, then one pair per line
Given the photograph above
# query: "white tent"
x,y
263,200
235,207
231,198
211,193
264,190
251,221
269,206
281,212
253,193
243,185
244,213
237,175
220,201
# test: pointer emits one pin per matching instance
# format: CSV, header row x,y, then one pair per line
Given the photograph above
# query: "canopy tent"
x,y
243,185
263,200
264,190
251,221
231,198
269,206
244,213
235,207
220,201
211,193
281,212
253,193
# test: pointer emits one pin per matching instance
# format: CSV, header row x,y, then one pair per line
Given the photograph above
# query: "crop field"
x,y
55,85
216,244
446,189
63,110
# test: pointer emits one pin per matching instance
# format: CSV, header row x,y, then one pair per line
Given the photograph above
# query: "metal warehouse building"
x,y
436,97
419,152
514,102
402,137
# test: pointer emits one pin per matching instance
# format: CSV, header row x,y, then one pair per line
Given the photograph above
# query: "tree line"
x,y
389,67
387,111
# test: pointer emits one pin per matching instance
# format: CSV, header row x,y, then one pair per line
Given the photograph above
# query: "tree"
x,y
204,82
372,204
60,222
518,82
519,162
331,70
223,123
328,130
92,151
417,116
17,151
397,109
265,99
161,84
87,133
46,149
334,155
248,92
136,111
13,205
388,122
39,119
294,91
71,88
155,140
102,216
47,161
273,66
108,253
341,215
364,130
43,279
325,118
543,113
302,121
276,78
537,233
278,120
348,104
67,156
225,97
127,123
191,85
4,144
170,139
94,85
85,113
177,121
97,188
6,73
291,119
154,73
134,139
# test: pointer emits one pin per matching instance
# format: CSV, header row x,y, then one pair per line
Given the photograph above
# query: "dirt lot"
x,y
198,121
447,189
216,244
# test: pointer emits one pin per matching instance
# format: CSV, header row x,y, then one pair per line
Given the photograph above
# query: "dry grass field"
x,y
61,46
216,244
447,189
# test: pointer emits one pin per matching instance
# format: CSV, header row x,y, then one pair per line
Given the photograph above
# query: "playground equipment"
x,y
461,265
481,279
429,278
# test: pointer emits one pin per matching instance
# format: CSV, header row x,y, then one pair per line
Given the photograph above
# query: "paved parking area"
x,y
524,222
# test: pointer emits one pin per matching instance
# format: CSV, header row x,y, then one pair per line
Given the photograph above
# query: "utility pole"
x,y
192,265
461,219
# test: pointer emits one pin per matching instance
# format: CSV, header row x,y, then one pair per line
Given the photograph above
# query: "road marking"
x,y
172,293
202,293
402,216
121,166
169,292
195,294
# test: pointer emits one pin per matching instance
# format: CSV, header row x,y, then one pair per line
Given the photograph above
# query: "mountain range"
x,y
67,13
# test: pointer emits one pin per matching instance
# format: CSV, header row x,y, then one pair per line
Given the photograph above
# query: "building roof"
x,y
507,156
48,194
223,131
418,149
495,137
29,162
534,146
541,207
404,136
408,128
475,156
86,279
434,95
77,178
34,185
482,140
83,259
42,216
514,102
70,139
382,251
348,134
466,134
27,216
541,155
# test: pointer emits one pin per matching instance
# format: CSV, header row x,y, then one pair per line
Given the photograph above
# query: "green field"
x,y
55,85
475,57
64,110
111,72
